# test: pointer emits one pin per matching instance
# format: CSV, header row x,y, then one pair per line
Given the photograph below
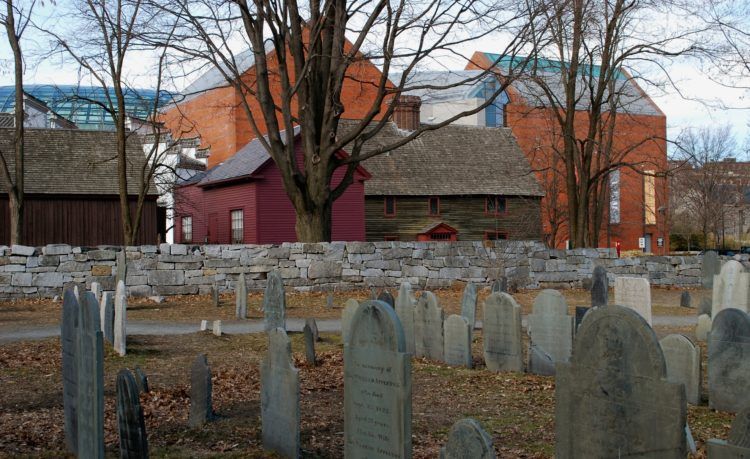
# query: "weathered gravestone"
x,y
141,380
738,445
500,285
309,344
728,364
580,314
467,440
90,399
107,316
685,299
279,397
121,320
386,297
612,399
122,267
469,304
705,306
130,424
634,293
377,386
204,325
551,330
215,296
216,328
428,327
96,289
240,301
350,307
501,333
731,288
457,341
710,267
683,360
201,410
313,327
703,328
274,303
599,287
405,304
69,338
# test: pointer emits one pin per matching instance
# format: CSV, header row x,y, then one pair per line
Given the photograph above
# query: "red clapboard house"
x,y
242,201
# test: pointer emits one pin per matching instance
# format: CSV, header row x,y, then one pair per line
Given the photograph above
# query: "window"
x,y
494,114
187,229
495,236
237,226
441,236
649,197
495,205
614,197
389,206
433,206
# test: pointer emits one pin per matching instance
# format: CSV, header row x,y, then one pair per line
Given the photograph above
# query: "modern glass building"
x,y
79,103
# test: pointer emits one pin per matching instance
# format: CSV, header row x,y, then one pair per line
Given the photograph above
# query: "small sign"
x,y
641,242
660,242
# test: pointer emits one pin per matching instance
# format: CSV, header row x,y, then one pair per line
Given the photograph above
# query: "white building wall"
x,y
438,111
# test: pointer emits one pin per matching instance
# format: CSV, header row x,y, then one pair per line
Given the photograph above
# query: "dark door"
x,y
213,229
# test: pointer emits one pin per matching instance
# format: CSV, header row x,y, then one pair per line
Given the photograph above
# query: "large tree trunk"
x,y
16,217
314,224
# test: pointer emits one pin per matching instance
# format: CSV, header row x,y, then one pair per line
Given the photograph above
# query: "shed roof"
x,y
72,161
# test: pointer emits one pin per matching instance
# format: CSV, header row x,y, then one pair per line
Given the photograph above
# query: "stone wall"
x,y
187,269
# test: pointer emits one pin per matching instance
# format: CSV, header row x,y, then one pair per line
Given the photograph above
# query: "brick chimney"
x,y
406,112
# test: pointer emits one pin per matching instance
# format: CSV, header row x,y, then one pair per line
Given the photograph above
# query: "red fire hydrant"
x,y
618,247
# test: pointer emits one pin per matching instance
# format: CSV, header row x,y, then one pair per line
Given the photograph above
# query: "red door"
x,y
213,229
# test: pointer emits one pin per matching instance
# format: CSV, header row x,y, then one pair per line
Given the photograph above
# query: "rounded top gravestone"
x,y
467,439
550,302
376,325
728,367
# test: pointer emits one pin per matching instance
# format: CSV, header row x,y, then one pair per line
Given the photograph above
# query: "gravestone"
x,y
215,296
469,304
310,321
204,325
96,289
216,328
728,365
710,267
731,288
309,344
107,315
599,287
738,444
386,297
683,360
130,424
405,304
274,303
703,328
350,307
580,313
551,331
428,327
122,267
705,306
377,386
141,380
90,399
121,320
501,333
500,285
634,293
685,299
69,338
612,399
201,410
240,301
279,397
457,341
467,440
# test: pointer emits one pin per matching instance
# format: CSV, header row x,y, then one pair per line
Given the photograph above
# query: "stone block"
x,y
49,260
178,249
164,249
56,249
140,291
52,279
325,269
101,270
166,277
175,289
100,255
22,250
360,247
21,279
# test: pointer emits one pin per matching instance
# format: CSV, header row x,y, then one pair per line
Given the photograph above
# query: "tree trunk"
x,y
16,218
314,225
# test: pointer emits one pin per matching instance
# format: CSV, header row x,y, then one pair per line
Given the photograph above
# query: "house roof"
x,y
632,99
71,161
439,85
7,120
452,160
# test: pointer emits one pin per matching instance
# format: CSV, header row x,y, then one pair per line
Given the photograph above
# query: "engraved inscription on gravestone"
x,y
728,365
457,341
634,293
551,331
428,327
501,333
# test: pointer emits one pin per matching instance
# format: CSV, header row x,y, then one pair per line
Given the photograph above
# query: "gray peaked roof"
x,y
467,84
73,161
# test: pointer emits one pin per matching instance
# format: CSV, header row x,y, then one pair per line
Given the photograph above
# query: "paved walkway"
x,y
10,334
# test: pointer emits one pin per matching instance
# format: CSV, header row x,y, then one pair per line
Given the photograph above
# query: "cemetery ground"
x,y
516,409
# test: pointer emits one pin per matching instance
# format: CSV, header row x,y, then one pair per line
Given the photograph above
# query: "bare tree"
x,y
303,55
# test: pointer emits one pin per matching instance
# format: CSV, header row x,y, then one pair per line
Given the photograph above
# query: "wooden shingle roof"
x,y
71,161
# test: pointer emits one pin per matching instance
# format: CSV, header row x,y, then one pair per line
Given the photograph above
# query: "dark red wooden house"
x,y
242,201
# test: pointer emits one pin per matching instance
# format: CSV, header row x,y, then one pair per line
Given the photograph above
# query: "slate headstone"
x,y
201,410
599,287
551,331
469,304
685,299
683,360
279,397
240,301
90,399
731,288
613,399
705,306
130,424
580,313
350,307
710,267
107,314
121,320
387,298
274,302
500,285
96,289
309,345
428,328
703,328
141,380
215,296
728,365
377,385
467,440
405,305
738,444
121,262
69,338
310,321
501,333
634,293
457,341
